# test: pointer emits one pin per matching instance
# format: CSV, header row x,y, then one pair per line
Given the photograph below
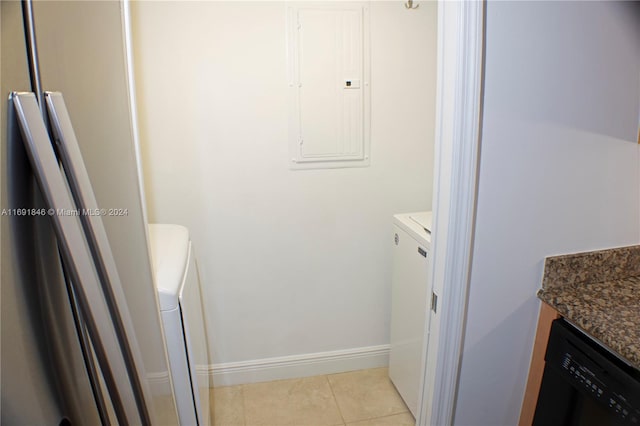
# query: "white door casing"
x,y
458,118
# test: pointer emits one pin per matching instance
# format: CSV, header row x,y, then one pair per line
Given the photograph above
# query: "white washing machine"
x,y
181,311
410,299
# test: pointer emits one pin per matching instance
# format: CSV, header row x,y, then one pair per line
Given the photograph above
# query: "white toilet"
x,y
181,311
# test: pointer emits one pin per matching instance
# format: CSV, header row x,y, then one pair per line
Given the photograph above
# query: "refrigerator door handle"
x,y
78,262
70,155
32,52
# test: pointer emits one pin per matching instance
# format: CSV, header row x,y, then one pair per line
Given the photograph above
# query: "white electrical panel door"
x,y
329,85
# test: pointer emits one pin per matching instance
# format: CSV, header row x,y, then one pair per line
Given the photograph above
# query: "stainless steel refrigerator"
x,y
52,367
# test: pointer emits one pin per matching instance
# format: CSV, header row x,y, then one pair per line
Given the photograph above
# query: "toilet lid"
x,y
169,259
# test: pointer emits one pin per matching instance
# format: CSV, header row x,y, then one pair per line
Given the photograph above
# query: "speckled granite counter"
x,y
599,292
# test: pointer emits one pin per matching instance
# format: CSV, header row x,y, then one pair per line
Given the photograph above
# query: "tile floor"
x,y
356,398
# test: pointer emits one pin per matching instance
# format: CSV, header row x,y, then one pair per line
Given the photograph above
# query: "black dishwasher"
x,y
584,384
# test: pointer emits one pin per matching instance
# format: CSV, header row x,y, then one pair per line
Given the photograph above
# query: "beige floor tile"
x,y
227,408
366,394
297,402
404,419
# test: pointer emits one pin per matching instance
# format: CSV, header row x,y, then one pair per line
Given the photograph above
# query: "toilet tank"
x,y
181,310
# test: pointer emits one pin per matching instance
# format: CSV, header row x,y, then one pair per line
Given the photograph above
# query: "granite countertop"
x,y
600,293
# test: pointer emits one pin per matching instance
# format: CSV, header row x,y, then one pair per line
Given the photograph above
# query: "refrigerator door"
x,y
82,54
43,377
91,220
107,345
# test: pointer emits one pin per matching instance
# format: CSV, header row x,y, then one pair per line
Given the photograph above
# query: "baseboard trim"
x,y
159,383
294,366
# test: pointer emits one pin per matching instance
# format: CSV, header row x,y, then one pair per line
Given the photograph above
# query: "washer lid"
x,y
169,260
417,225
423,219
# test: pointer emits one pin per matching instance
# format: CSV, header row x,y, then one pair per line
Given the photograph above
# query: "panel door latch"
x,y
434,302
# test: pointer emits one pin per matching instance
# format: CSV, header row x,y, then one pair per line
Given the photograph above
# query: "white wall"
x,y
559,173
293,262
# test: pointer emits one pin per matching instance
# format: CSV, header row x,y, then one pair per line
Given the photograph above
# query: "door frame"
x,y
457,148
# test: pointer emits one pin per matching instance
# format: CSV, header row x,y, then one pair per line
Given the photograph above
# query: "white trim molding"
x,y
458,118
295,366
159,383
